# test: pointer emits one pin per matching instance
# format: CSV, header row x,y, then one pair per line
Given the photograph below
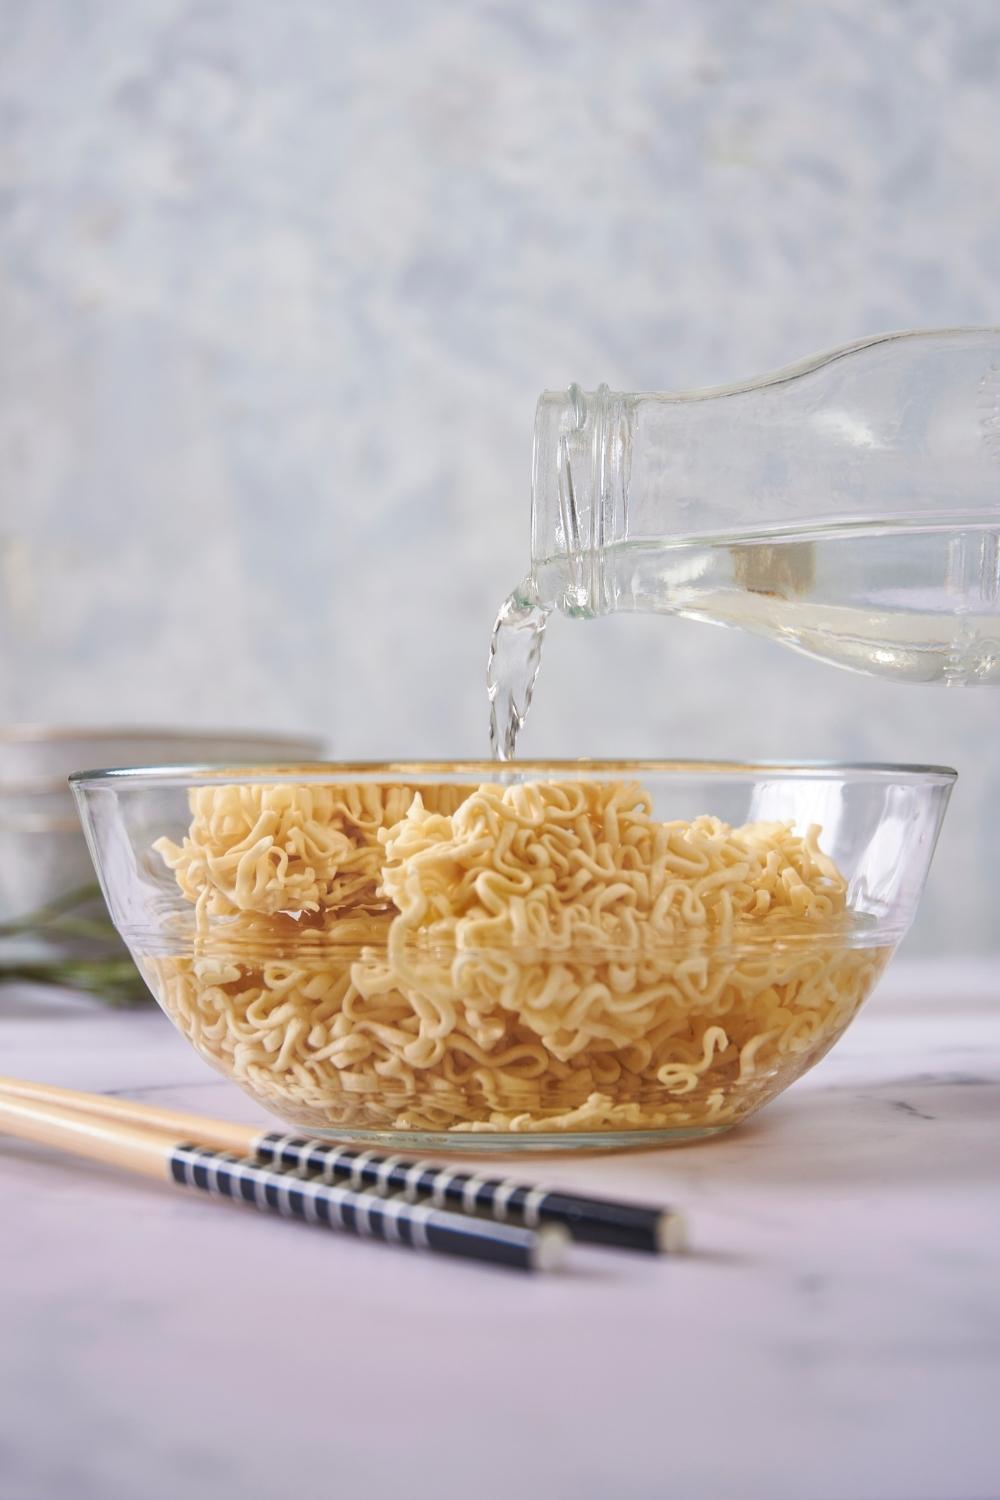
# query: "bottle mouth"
x,y
578,495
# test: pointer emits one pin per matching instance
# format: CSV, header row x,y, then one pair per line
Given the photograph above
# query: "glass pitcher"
x,y
848,506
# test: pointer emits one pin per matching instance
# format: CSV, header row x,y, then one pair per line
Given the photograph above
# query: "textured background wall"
x,y
280,284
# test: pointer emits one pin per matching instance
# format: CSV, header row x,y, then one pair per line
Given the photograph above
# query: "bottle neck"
x,y
897,434
579,495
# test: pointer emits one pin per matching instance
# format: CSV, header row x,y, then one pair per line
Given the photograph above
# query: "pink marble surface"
x,y
834,1333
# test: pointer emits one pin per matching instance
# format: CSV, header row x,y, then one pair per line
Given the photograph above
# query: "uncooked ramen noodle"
x,y
543,956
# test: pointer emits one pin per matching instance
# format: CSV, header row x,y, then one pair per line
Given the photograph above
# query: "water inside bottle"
x,y
912,605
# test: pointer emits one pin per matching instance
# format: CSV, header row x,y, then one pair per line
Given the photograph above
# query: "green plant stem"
x,y
54,911
112,977
116,981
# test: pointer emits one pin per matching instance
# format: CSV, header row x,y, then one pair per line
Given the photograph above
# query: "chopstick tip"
x,y
549,1253
671,1234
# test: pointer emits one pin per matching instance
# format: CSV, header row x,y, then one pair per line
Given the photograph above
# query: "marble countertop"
x,y
833,1335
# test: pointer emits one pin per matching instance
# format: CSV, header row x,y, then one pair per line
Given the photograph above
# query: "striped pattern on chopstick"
x,y
599,1221
419,1226
153,1152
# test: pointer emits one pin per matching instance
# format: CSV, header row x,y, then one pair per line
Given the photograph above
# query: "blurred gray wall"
x,y
279,284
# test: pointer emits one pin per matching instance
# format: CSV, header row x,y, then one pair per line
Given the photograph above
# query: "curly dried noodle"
x,y
538,956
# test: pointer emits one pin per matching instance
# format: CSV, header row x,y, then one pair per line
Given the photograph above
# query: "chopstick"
x,y
596,1221
296,1195
224,1135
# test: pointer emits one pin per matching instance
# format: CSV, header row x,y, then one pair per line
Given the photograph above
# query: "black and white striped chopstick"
x,y
597,1221
141,1137
396,1219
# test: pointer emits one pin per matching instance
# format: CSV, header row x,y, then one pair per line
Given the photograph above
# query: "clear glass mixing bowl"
x,y
547,954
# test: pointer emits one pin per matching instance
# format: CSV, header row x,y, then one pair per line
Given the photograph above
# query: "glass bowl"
x,y
545,954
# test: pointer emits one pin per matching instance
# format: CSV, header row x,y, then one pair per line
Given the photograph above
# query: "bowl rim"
x,y
319,772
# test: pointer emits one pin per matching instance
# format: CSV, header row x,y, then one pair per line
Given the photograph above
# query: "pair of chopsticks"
x,y
419,1204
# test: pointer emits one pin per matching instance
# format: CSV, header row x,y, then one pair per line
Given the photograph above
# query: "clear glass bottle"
x,y
848,505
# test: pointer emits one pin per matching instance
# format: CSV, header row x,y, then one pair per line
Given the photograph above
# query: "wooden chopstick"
x,y
599,1221
223,1135
297,1195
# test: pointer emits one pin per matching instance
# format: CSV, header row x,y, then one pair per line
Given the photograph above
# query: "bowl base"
x,y
515,1142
